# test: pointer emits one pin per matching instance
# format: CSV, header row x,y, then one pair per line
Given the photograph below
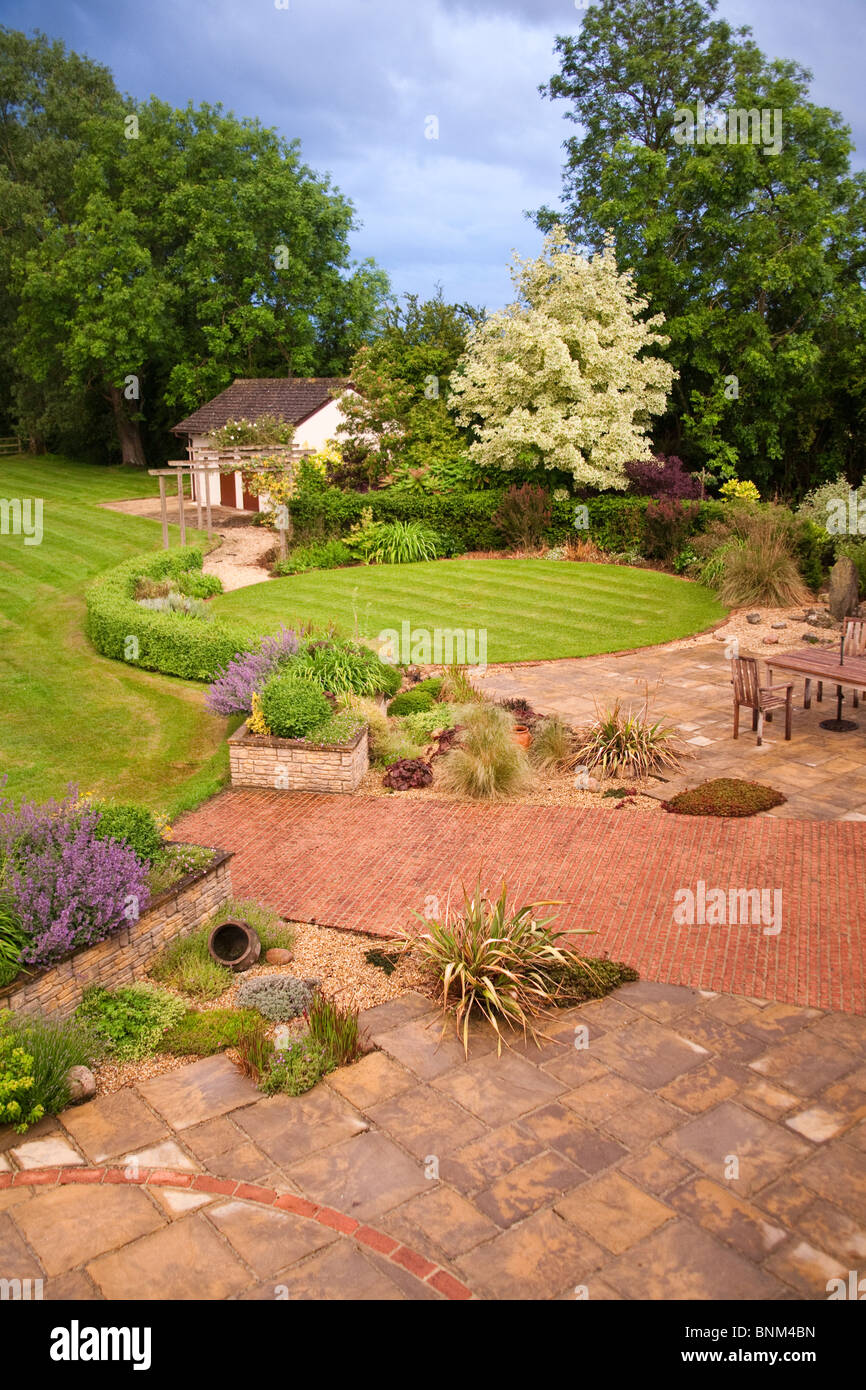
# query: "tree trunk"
x,y
128,432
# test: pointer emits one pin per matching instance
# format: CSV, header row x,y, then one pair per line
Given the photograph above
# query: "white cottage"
x,y
310,404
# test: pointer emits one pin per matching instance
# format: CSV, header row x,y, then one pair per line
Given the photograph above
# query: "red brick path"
x,y
367,863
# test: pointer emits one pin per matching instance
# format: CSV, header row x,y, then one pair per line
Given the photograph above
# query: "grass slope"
x,y
68,714
532,609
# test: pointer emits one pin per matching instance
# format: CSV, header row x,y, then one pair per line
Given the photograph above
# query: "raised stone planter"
x,y
125,955
294,765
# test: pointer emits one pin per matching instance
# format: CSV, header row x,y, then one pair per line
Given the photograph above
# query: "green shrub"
x,y
121,629
412,701
295,1069
197,584
487,764
346,668
130,1021
18,1106
432,684
132,825
293,706
276,997
202,1034
318,555
395,543
334,1028
54,1047
725,796
423,723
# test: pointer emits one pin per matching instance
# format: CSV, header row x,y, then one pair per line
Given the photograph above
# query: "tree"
x,y
168,251
400,418
562,379
752,247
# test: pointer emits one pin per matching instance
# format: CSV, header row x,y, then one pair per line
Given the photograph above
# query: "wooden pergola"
x,y
201,466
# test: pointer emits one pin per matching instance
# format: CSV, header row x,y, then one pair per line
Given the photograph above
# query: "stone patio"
x,y
822,774
699,1145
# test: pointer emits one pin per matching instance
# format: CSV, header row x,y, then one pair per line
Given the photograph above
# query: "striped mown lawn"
x,y
530,609
69,715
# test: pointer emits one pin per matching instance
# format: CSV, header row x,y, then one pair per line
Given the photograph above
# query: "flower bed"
x,y
296,764
125,955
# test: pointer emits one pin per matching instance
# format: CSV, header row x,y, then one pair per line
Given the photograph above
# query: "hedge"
x,y
177,646
465,520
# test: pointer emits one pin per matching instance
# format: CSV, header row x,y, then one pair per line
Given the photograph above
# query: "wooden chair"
x,y
855,645
760,699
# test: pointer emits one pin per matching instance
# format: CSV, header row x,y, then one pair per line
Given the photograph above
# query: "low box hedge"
x,y
121,629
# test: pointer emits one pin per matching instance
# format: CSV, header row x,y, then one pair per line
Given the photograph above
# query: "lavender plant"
x,y
69,888
246,673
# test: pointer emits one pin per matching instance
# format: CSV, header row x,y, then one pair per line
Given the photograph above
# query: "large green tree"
x,y
754,252
400,417
189,247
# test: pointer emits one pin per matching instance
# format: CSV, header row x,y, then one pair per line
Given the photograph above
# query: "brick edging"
x,y
417,1265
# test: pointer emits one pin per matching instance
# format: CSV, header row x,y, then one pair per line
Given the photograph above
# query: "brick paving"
x,y
662,1143
368,864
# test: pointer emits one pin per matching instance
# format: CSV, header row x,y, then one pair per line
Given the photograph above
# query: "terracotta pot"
x,y
235,944
521,735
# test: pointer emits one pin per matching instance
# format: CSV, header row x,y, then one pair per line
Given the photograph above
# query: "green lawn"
x,y
68,715
531,609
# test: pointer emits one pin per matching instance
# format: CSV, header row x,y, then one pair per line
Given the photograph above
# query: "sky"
x,y
358,81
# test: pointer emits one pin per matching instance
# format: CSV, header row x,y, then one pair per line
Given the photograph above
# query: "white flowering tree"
x,y
563,378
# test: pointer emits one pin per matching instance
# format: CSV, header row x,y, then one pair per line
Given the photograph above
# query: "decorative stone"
x,y
770,641
844,588
278,955
753,618
778,625
81,1083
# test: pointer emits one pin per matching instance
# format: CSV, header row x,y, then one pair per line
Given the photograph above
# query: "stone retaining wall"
x,y
295,765
125,955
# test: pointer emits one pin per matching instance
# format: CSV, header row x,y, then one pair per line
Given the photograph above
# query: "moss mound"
x,y
725,796
591,978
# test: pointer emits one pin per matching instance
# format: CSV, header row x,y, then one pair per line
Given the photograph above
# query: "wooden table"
x,y
821,666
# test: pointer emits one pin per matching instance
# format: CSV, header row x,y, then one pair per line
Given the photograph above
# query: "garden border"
x,y
305,766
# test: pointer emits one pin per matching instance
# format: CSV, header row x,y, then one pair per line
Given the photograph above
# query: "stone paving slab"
x,y
653,1177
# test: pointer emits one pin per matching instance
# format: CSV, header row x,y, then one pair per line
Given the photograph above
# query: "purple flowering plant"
x,y
70,889
233,689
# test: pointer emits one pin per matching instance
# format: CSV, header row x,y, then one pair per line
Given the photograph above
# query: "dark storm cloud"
x,y
357,80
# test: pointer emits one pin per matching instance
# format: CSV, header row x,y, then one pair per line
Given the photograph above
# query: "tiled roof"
x,y
292,399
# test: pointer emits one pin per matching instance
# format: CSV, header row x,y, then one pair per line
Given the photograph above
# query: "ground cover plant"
x,y
203,1033
725,796
130,1021
530,609
145,737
